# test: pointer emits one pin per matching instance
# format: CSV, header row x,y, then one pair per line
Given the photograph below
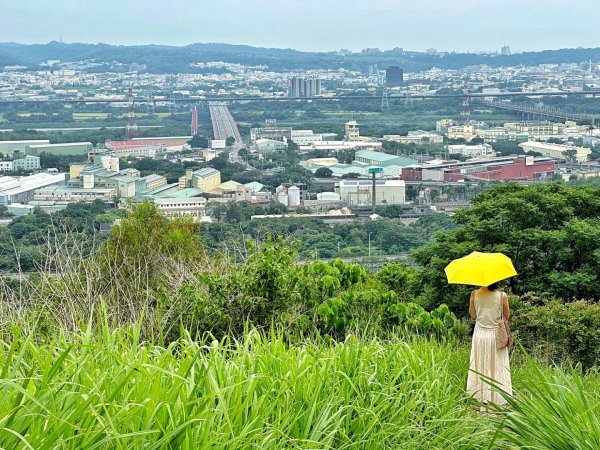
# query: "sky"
x,y
311,25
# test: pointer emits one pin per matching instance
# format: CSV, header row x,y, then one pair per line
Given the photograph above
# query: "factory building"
x,y
360,192
22,189
9,147
69,149
557,151
526,168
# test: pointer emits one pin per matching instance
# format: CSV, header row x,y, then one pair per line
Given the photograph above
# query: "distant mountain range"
x,y
170,59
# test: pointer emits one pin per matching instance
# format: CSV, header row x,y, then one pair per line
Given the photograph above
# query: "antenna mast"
x,y
131,131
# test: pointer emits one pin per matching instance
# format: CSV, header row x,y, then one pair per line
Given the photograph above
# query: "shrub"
x,y
564,331
439,322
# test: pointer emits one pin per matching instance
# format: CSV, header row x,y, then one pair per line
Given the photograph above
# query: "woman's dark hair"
x,y
493,286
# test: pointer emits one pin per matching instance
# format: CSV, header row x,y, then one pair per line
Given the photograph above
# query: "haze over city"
x,y
312,25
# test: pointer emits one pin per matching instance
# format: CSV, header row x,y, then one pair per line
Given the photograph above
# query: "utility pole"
x,y
374,171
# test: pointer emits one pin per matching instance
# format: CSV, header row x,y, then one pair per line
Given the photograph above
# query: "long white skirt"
x,y
487,361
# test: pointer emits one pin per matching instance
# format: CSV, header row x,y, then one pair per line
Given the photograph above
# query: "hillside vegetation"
x,y
153,340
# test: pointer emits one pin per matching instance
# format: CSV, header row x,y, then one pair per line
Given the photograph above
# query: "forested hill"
x,y
169,59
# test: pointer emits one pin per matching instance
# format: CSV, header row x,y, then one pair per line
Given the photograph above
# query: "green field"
x,y
87,116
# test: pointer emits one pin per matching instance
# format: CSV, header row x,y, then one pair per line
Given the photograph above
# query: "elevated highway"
x,y
224,126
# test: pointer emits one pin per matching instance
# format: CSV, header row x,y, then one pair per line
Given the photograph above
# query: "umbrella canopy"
x,y
480,269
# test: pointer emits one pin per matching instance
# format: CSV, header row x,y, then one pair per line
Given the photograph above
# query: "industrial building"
x,y
71,194
525,168
263,146
206,180
381,159
275,133
9,147
146,148
484,150
22,189
28,163
68,149
417,137
360,192
557,151
394,76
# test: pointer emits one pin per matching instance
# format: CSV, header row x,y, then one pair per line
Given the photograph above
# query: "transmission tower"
x,y
385,104
465,112
194,124
131,130
150,104
408,101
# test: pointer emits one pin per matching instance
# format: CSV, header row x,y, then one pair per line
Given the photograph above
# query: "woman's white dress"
x,y
486,360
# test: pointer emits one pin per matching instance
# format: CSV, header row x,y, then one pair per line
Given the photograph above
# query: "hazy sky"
x,y
460,25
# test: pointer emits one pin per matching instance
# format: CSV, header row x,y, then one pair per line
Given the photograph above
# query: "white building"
x,y
557,151
6,166
305,137
472,150
21,189
360,192
182,206
417,137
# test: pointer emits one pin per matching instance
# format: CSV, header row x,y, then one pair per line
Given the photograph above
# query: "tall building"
x,y
302,87
351,132
295,84
394,76
505,51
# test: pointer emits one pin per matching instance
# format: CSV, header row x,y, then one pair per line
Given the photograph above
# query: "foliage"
x,y
551,233
388,236
562,332
198,141
323,172
26,239
439,322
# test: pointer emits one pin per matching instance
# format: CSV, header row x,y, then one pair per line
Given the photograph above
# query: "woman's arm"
x,y
505,307
472,306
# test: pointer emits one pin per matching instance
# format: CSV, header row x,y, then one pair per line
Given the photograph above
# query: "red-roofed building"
x,y
524,168
145,147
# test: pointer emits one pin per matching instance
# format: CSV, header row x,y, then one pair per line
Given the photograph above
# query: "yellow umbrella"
x,y
480,269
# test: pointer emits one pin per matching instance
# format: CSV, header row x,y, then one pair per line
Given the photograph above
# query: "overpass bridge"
x,y
548,112
224,126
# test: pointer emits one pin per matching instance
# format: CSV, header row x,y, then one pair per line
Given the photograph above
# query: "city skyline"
x,y
463,26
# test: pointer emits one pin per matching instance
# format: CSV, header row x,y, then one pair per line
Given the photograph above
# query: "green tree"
x,y
230,141
198,141
323,172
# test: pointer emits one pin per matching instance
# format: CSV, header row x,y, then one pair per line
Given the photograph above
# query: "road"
x,y
197,100
7,130
224,126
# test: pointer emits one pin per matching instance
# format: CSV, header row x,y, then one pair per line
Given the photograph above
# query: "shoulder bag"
x,y
503,333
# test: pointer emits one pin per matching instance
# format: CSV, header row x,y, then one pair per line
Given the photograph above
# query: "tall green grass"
x,y
107,389
111,391
557,410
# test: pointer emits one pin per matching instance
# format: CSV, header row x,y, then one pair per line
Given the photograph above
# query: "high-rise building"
x,y
394,76
295,87
302,87
505,51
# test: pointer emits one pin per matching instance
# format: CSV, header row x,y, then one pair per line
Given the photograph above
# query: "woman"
x,y
487,305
